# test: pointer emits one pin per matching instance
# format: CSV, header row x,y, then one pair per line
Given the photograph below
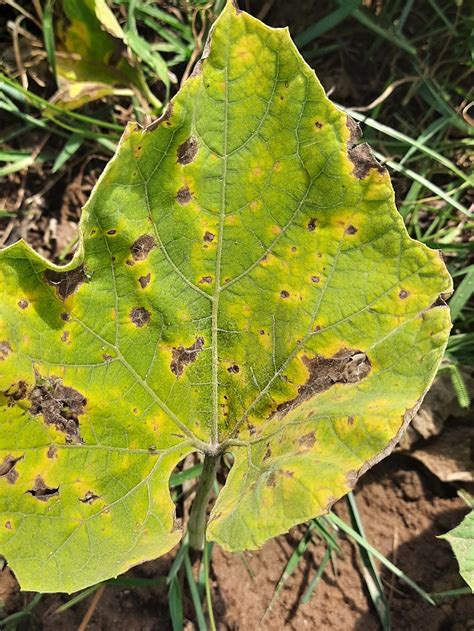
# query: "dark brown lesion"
x,y
346,366
144,280
89,498
8,468
183,196
43,492
360,155
140,316
59,405
142,247
187,151
182,356
5,350
65,283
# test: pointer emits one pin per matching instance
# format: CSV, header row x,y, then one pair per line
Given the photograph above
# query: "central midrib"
x,y
217,290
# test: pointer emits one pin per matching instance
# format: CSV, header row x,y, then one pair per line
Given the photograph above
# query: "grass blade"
x,y
337,521
462,294
305,598
370,574
175,603
193,588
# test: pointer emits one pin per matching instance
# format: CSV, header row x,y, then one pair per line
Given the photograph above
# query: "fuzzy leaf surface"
x,y
244,282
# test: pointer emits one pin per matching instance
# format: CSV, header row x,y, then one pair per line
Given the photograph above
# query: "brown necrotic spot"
x,y
64,336
106,357
89,498
182,356
315,279
284,293
350,229
59,405
140,316
65,283
206,279
144,280
41,491
65,316
23,304
346,366
111,232
307,441
350,420
8,468
52,451
142,247
183,196
312,224
233,369
8,525
5,350
318,124
363,160
187,151
208,236
404,294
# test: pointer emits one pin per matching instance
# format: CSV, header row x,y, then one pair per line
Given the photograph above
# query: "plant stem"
x,y
198,515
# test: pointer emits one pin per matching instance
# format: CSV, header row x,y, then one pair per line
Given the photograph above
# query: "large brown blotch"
x,y
182,356
59,405
41,491
346,366
361,155
65,283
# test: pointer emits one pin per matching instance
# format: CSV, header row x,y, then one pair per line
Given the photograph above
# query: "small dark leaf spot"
x,y
262,332
152,449
8,470
307,441
318,124
5,350
187,151
65,317
59,405
312,224
111,232
64,336
52,451
206,279
89,498
183,196
144,280
23,304
65,283
106,357
404,294
208,236
140,316
233,369
41,491
271,480
350,420
268,453
284,293
351,229
182,356
142,247
287,474
251,429
315,279
8,525
293,249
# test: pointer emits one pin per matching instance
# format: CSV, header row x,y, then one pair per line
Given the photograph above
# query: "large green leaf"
x,y
244,283
461,539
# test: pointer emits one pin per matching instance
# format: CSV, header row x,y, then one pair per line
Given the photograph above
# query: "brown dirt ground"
x,y
403,507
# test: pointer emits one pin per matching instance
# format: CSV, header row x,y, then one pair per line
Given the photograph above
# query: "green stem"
x,y
198,516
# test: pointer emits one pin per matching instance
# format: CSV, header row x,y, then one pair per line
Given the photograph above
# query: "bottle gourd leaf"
x,y
245,285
